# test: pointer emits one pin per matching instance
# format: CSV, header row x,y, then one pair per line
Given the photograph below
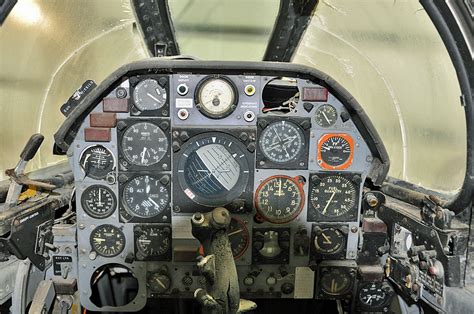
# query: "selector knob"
x,y
271,281
249,280
159,283
287,288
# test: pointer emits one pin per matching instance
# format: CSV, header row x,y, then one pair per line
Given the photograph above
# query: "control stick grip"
x,y
32,147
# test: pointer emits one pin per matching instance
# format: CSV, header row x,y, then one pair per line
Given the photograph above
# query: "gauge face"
x,y
145,197
149,95
334,196
373,294
336,281
335,151
279,199
238,236
144,144
216,97
152,241
213,169
97,161
159,283
326,116
329,240
282,141
107,240
98,201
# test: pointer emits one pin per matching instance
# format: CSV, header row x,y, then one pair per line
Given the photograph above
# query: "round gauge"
x,y
107,240
279,199
149,95
144,144
282,141
216,97
334,196
326,116
145,197
336,281
159,283
96,162
329,240
373,294
213,169
335,151
98,201
238,235
152,240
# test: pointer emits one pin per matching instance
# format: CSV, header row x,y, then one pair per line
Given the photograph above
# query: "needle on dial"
x,y
326,117
152,97
234,232
329,202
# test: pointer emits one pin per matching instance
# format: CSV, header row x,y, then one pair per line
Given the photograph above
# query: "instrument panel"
x,y
286,155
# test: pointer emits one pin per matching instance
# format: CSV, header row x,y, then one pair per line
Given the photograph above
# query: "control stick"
x,y
217,266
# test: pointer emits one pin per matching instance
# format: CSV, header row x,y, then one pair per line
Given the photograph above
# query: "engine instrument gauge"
x,y
98,201
144,144
107,240
213,169
149,95
279,199
152,242
329,241
326,116
335,151
216,97
335,281
238,235
373,294
333,196
145,197
282,141
96,162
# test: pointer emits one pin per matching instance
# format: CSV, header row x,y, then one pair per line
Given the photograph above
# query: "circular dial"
x,y
159,283
98,201
326,115
373,294
152,240
107,240
238,236
144,144
96,162
336,281
213,169
216,97
335,151
279,199
329,240
149,95
145,197
334,196
282,141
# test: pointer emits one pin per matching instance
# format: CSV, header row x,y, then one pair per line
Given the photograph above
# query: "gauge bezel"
x,y
161,112
88,175
325,268
301,162
124,165
117,229
295,214
128,216
89,211
347,163
138,231
237,202
318,109
340,253
314,215
197,99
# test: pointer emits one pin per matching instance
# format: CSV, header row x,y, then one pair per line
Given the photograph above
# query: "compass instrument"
x,y
149,95
144,144
96,162
326,116
333,197
213,169
279,199
282,141
107,240
145,196
216,97
98,201
335,151
152,242
239,238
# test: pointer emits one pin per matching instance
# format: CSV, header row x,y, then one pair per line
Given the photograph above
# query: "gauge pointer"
x,y
234,232
152,97
143,154
147,189
329,202
325,117
100,240
153,202
327,240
